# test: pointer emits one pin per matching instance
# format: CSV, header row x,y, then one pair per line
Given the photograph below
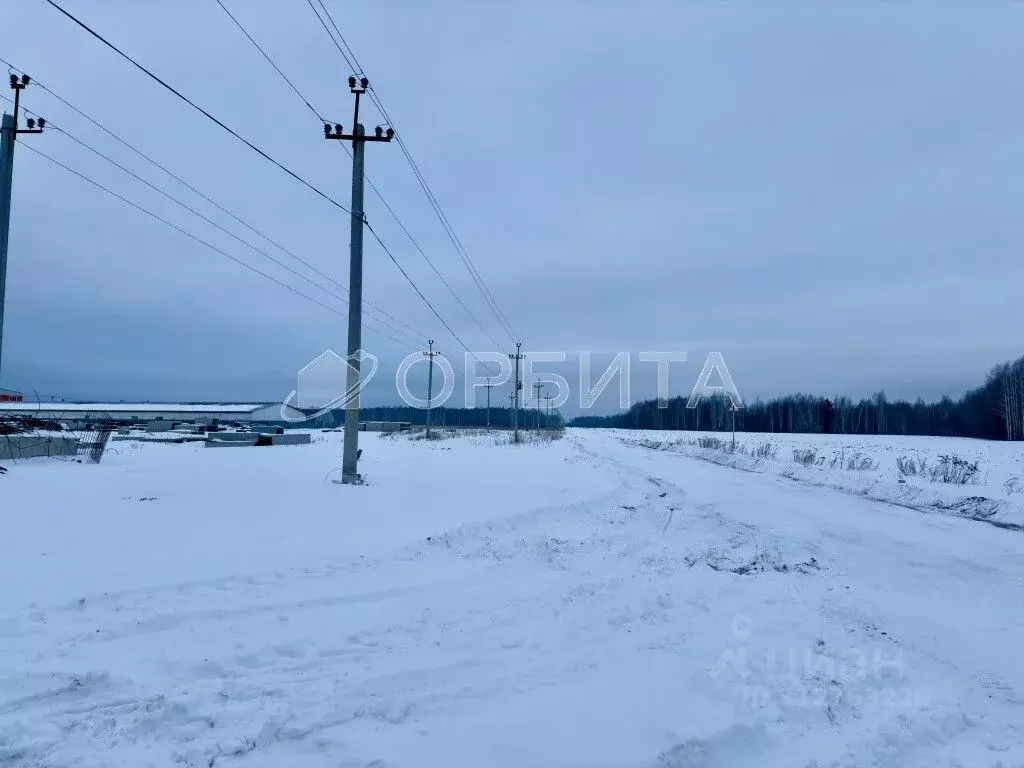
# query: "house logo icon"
x,y
322,384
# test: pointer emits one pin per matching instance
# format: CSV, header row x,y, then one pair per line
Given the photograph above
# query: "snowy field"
x,y
979,479
610,599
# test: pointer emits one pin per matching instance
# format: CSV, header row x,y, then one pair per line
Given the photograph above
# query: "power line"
x,y
376,190
223,229
255,148
348,61
196,238
432,199
270,60
198,192
358,67
408,329
435,204
428,192
430,263
420,293
449,230
248,143
456,241
198,108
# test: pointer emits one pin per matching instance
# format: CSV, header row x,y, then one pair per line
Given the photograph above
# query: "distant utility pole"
x,y
430,379
489,387
547,404
536,388
9,131
515,394
358,137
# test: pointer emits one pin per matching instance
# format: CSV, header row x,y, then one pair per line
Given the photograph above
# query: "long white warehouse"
x,y
223,412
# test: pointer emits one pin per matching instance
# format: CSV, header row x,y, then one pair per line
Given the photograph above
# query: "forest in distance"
x,y
992,411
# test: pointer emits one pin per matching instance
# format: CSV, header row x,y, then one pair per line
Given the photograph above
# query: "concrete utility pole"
x,y
515,395
489,388
9,131
430,379
536,388
547,404
358,137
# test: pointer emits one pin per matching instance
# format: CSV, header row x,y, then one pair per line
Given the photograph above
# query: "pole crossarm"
x,y
337,132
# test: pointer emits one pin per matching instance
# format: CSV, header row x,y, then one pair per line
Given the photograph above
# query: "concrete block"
x,y
384,426
289,438
159,426
217,443
29,446
229,436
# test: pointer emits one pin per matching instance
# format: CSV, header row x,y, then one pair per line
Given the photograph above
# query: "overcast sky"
x,y
827,193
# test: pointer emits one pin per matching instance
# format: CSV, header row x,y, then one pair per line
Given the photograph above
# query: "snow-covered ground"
x,y
587,602
980,479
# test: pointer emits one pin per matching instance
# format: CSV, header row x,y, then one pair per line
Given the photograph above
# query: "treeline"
x,y
500,418
994,411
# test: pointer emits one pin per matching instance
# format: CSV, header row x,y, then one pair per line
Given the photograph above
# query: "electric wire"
x,y
245,141
223,229
327,29
425,299
269,60
428,192
373,186
198,108
193,189
195,237
356,66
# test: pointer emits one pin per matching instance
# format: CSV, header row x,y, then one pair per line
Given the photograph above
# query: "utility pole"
x,y
515,395
9,131
547,404
358,137
489,387
733,449
536,388
430,379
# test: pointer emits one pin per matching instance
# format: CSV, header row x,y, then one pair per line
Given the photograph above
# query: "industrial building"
x,y
230,413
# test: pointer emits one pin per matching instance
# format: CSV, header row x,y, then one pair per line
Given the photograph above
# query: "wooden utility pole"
x,y
515,394
9,132
489,387
430,379
358,137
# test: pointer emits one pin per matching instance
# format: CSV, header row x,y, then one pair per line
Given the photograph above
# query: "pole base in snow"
x,y
353,478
